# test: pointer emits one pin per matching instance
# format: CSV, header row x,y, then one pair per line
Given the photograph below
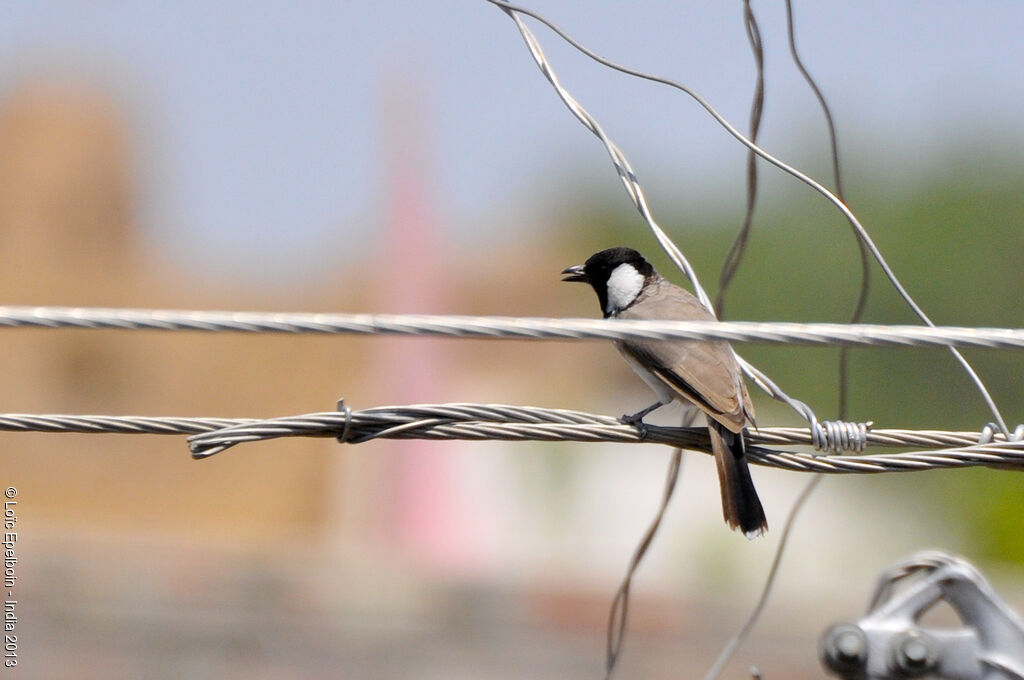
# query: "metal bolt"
x,y
913,653
844,648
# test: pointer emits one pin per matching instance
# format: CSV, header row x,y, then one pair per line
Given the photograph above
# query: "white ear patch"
x,y
624,285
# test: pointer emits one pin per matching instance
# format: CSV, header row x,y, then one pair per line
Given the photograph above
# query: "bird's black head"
x,y
616,274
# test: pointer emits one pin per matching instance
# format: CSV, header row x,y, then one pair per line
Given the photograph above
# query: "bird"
x,y
705,374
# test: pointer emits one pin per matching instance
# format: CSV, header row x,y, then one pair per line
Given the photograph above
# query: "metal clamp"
x,y
889,642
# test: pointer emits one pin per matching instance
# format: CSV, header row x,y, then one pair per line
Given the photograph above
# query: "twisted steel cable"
x,y
478,422
520,328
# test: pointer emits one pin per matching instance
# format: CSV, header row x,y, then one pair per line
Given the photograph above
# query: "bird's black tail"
x,y
740,505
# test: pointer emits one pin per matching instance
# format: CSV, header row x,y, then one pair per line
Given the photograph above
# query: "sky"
x,y
259,127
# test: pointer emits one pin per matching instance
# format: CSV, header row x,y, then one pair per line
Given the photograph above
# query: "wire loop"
x,y
989,432
837,436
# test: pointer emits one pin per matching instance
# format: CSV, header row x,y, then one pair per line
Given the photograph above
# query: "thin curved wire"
x,y
628,176
865,259
618,617
739,637
736,252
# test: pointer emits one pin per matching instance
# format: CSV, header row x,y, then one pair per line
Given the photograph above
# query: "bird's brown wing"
x,y
704,373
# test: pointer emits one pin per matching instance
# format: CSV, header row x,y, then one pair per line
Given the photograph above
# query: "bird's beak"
x,y
574,273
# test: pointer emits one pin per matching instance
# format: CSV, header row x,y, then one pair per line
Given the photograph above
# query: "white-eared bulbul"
x,y
705,374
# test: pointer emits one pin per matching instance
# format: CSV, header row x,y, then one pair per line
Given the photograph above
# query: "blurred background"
x,y
386,157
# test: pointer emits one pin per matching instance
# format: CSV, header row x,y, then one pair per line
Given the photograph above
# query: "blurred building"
x,y
68,236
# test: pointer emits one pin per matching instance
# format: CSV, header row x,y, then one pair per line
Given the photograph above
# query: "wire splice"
x,y
837,436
